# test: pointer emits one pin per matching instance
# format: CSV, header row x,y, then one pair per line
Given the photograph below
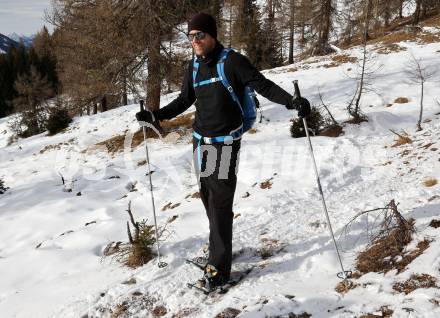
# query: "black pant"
x,y
217,182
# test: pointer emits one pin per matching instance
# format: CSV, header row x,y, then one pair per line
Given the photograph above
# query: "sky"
x,y
24,17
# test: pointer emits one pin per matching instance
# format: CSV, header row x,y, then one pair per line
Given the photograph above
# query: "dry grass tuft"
x,y
415,35
292,69
402,139
119,310
171,219
384,311
432,21
344,58
301,315
427,145
356,120
430,182
266,184
116,143
390,48
179,123
401,100
386,249
228,313
332,131
343,287
170,205
396,37
416,281
404,153
340,59
195,195
269,248
185,312
159,311
180,126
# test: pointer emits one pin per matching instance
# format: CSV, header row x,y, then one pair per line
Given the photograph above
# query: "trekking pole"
x,y
344,274
159,263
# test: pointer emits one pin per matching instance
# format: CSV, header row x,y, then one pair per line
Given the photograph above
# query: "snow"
x,y
67,276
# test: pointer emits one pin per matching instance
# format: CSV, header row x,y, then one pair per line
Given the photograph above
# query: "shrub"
x,y
139,248
59,119
315,122
3,188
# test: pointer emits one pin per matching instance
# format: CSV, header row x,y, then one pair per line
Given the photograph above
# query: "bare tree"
x,y
356,111
105,46
419,74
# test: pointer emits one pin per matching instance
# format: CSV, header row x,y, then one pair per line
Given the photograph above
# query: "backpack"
x,y
250,102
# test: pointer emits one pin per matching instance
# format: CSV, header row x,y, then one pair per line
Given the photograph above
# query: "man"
x,y
218,116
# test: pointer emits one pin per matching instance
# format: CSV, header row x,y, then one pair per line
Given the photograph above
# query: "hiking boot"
x,y
212,278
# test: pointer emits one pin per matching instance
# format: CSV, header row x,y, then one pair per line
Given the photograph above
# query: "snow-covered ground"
x,y
66,276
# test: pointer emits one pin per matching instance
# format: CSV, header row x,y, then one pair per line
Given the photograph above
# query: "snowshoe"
x,y
200,261
212,282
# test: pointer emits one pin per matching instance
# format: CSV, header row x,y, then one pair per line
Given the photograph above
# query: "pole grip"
x,y
141,105
297,92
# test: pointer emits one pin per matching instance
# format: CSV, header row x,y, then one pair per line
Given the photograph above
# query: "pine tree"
x,y
3,188
247,30
33,91
43,47
15,62
270,40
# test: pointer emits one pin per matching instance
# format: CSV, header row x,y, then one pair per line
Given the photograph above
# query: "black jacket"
x,y
216,113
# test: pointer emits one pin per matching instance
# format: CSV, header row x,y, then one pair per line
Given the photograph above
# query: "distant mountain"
x,y
6,43
27,40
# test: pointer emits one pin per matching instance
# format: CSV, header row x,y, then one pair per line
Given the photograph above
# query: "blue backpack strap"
x,y
195,70
206,82
224,79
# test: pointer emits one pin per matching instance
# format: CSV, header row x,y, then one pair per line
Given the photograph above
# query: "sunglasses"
x,y
196,36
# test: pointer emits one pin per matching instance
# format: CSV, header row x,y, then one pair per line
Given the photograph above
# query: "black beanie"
x,y
203,22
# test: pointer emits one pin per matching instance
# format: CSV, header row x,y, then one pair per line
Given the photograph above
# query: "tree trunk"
x,y
271,11
356,113
387,14
416,14
124,90
423,9
401,9
230,25
367,17
324,25
291,30
104,104
419,123
95,108
154,71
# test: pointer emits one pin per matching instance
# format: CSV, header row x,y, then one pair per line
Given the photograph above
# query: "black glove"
x,y
145,116
302,105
